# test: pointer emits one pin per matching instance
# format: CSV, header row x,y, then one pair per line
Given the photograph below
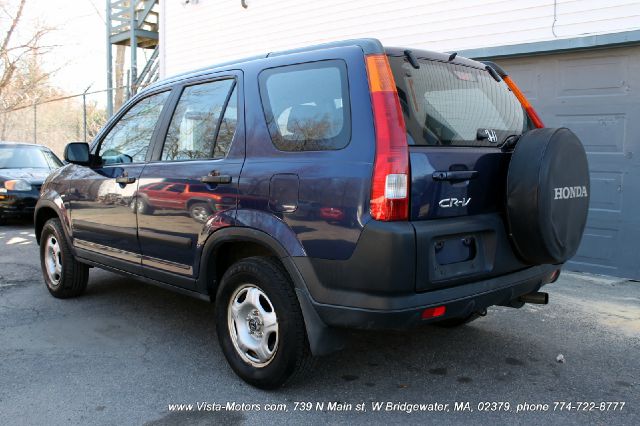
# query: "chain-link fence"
x,y
56,122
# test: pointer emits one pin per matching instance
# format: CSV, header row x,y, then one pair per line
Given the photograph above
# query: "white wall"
x,y
204,32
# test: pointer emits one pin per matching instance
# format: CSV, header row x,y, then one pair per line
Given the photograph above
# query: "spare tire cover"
x,y
547,195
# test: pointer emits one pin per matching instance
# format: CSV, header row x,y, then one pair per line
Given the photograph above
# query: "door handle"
x,y
216,179
125,180
455,175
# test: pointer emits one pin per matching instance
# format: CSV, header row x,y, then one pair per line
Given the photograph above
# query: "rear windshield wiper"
x,y
493,73
412,59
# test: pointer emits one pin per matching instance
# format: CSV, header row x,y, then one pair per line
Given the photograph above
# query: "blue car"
x,y
340,186
23,169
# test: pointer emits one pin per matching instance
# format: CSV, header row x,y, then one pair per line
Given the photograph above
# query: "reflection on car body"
x,y
196,199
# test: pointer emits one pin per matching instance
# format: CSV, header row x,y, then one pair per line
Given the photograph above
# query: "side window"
x,y
52,160
157,187
307,106
227,127
176,188
198,188
194,125
128,141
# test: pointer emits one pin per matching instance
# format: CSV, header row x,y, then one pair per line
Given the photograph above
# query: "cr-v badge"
x,y
454,202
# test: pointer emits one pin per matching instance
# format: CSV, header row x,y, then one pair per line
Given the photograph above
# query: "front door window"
x,y
128,141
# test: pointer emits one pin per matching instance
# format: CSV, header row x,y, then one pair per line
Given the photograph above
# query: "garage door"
x,y
597,95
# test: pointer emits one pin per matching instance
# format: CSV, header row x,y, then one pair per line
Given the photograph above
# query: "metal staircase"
x,y
133,23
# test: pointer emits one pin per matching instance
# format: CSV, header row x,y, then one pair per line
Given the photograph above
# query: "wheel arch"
x,y
192,201
47,209
243,242
231,244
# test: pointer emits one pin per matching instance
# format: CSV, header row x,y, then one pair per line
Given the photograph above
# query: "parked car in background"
x,y
23,168
363,186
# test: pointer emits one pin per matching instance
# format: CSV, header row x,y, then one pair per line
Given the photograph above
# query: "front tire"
x,y
64,276
260,325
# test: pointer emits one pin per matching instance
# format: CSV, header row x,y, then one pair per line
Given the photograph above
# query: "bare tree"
x,y
22,80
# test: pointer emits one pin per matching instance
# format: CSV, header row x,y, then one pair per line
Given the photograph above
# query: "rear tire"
x,y
64,276
260,325
142,207
200,211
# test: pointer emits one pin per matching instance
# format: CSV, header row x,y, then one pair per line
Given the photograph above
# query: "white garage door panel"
x,y
596,76
599,132
597,95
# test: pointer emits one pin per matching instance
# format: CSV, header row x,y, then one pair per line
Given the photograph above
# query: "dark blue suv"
x,y
344,185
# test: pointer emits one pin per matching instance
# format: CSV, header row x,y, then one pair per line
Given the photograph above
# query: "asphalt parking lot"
x,y
126,350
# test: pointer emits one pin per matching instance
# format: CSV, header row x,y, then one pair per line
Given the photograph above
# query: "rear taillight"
x,y
533,115
390,185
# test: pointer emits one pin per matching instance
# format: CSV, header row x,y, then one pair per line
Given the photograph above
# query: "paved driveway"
x,y
126,350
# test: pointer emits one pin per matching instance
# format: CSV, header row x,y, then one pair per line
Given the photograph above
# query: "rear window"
x,y
306,106
449,104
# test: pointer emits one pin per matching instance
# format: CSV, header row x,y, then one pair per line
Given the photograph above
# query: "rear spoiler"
x,y
501,72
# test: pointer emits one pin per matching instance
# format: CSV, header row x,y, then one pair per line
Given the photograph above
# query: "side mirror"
x,y
77,153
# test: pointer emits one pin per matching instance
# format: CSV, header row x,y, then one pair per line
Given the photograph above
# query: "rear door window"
x,y
194,125
228,126
306,106
456,105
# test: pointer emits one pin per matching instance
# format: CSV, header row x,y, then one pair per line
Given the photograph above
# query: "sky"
x,y
80,34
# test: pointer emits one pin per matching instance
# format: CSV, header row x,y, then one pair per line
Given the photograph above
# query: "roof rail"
x,y
368,45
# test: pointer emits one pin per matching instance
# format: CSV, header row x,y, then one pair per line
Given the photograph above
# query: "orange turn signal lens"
x,y
380,76
533,115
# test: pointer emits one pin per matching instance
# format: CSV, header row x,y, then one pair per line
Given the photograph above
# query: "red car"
x,y
196,198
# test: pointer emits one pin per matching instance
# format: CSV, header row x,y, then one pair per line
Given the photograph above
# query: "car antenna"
x,y
452,56
412,59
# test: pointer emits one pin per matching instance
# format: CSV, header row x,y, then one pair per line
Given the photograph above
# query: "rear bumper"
x,y
460,301
395,273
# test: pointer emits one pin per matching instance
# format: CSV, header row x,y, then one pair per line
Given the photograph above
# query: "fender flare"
x,y
322,339
54,202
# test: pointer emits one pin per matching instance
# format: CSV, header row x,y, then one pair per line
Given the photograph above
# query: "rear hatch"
x,y
457,117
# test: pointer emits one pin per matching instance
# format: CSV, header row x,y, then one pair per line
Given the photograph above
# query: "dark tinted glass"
x,y
198,188
157,187
25,156
192,132
307,106
128,141
449,104
176,188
